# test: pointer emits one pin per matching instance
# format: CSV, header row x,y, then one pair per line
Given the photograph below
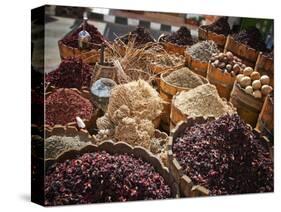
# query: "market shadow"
x,y
25,197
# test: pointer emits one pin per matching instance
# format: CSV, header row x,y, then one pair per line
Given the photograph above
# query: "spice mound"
x,y
71,73
184,78
226,157
140,36
101,177
64,105
251,37
203,100
181,37
55,145
203,50
220,26
96,37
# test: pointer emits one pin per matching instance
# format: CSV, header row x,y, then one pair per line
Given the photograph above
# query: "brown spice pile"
x,y
64,105
203,100
184,77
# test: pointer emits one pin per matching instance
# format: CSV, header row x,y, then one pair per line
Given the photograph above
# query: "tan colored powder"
x,y
184,77
203,100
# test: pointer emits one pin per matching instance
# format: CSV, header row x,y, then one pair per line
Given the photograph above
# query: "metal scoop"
x,y
84,37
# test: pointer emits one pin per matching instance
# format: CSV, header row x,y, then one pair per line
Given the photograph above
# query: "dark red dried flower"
x,y
101,177
226,157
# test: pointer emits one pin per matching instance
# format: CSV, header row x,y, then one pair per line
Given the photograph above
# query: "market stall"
x,y
187,113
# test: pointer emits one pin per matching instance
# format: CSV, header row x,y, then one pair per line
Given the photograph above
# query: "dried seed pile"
x,y
220,26
203,100
71,73
101,177
226,157
55,145
63,105
203,50
96,37
184,78
181,37
251,37
140,36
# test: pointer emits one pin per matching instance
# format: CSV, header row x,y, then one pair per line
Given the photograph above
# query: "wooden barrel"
x,y
195,65
266,118
219,39
167,91
177,116
223,81
265,65
247,54
90,57
121,148
248,107
187,187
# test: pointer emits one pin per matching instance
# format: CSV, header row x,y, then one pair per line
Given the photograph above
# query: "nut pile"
x,y
71,73
96,37
220,26
203,100
55,145
228,63
184,78
181,37
253,83
225,156
203,50
64,105
102,177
